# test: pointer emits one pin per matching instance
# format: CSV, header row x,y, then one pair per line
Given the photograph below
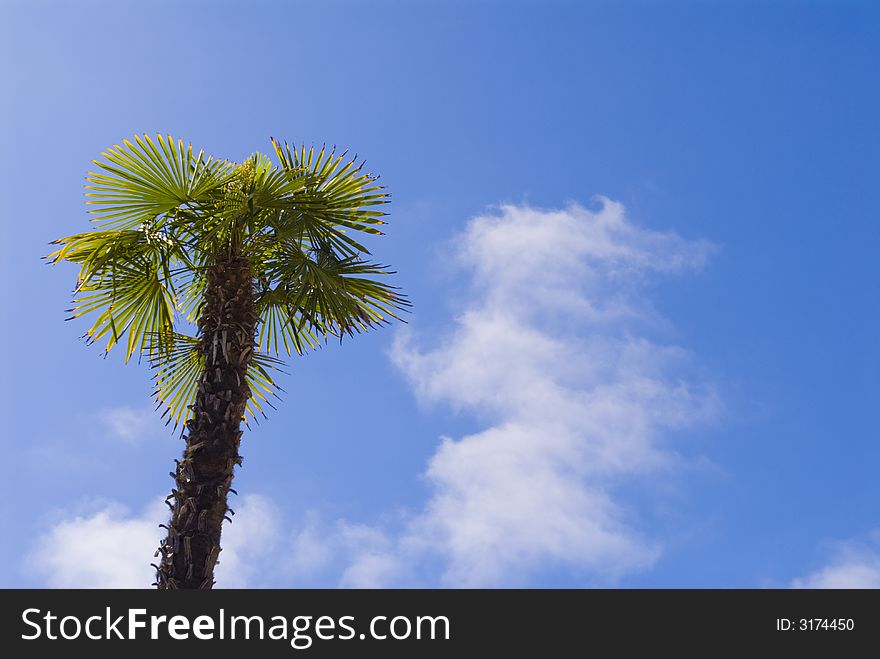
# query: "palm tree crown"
x,y
211,269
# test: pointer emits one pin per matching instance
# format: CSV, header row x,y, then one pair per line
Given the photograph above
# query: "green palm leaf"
x,y
145,179
125,277
176,375
319,295
331,196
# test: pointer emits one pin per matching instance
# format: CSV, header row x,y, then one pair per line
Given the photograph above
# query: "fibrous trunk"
x,y
204,475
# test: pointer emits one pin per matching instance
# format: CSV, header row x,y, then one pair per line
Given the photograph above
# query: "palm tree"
x,y
207,269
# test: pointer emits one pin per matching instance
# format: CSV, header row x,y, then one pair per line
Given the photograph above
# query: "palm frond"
x,y
283,325
97,251
315,297
144,179
125,277
176,375
331,195
261,384
132,299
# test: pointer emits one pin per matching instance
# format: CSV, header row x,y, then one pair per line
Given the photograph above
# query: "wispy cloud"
x,y
553,348
128,424
854,565
341,553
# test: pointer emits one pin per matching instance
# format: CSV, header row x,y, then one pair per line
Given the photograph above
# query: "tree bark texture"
x,y
203,477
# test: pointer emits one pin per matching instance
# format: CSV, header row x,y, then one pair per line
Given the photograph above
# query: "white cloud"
x,y
110,548
371,560
344,554
552,349
308,553
113,548
128,424
854,565
247,542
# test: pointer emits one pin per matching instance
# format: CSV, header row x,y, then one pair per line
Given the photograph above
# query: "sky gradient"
x,y
640,242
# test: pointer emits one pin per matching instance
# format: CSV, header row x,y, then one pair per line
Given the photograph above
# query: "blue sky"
x,y
640,240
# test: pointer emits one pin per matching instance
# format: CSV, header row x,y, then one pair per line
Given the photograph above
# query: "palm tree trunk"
x,y
204,475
